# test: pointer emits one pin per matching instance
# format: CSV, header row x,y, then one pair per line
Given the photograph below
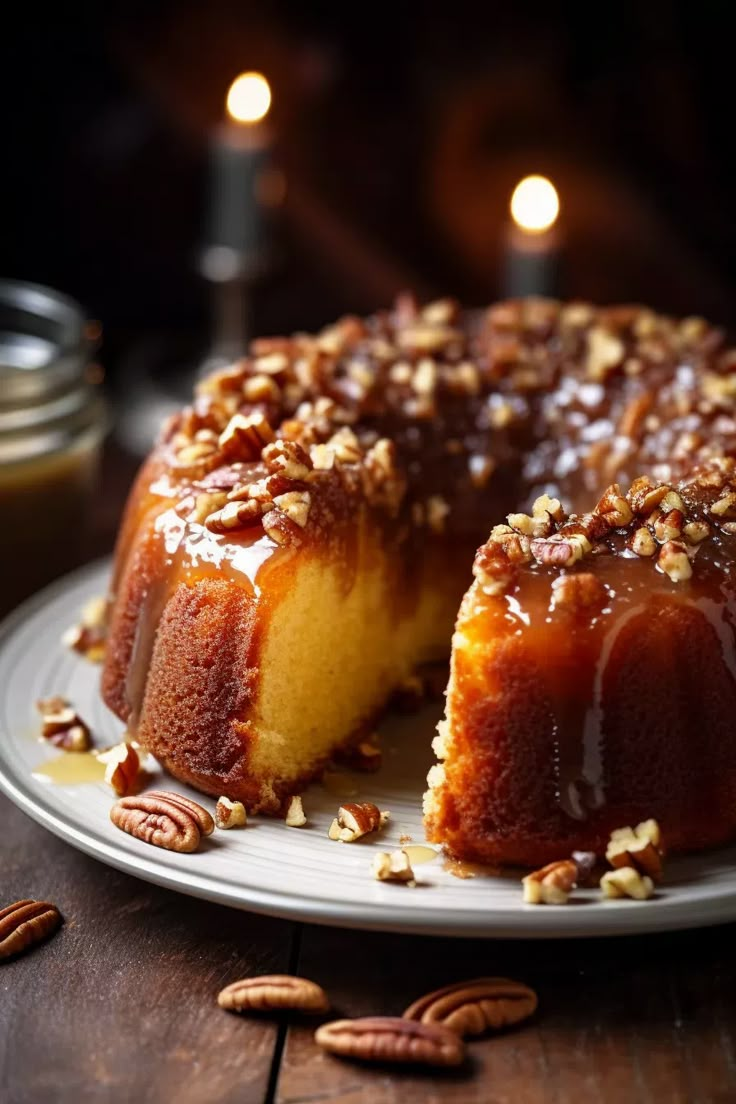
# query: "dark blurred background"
x,y
401,128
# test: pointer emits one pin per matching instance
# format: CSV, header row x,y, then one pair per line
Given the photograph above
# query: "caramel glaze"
x,y
576,722
484,410
191,608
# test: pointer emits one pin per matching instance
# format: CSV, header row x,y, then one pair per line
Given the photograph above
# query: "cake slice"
x,y
593,678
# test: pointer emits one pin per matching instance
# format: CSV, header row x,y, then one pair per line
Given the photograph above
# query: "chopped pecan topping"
x,y
614,507
62,726
696,531
645,495
272,363
627,882
514,544
383,480
235,515
674,561
640,847
88,637
295,504
428,338
394,866
726,506
295,817
560,550
230,814
494,572
441,312
630,422
356,819
653,520
206,504
473,391
552,885
642,542
669,526
193,457
122,769
582,591
605,352
287,458
245,436
261,389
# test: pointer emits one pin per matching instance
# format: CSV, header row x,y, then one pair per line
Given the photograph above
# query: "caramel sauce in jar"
x,y
52,420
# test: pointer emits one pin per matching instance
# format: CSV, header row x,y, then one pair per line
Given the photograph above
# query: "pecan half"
x,y
163,819
235,515
472,1007
390,1039
24,923
204,820
560,550
356,819
272,991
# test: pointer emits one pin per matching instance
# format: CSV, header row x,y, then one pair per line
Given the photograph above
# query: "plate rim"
x,y
530,922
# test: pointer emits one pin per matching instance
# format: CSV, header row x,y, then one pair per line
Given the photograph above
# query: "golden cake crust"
x,y
333,482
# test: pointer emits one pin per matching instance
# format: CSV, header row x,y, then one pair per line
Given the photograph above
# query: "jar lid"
x,y
43,346
47,397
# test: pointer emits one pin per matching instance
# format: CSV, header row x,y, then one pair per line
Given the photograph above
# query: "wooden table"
x,y
120,1004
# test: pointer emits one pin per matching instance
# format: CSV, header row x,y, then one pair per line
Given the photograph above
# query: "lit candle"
x,y
239,176
532,239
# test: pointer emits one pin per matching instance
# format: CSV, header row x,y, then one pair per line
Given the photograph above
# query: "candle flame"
x,y
535,204
248,98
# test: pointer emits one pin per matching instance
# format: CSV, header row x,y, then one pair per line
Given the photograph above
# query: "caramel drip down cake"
x,y
301,537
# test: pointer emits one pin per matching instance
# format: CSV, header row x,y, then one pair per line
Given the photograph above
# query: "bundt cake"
x,y
301,536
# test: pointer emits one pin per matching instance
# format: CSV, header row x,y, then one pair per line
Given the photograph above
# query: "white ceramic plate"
x,y
298,873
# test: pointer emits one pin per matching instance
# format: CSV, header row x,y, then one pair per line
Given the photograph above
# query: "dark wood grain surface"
x,y
120,1005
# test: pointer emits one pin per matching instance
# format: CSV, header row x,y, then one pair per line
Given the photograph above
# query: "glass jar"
x,y
52,422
